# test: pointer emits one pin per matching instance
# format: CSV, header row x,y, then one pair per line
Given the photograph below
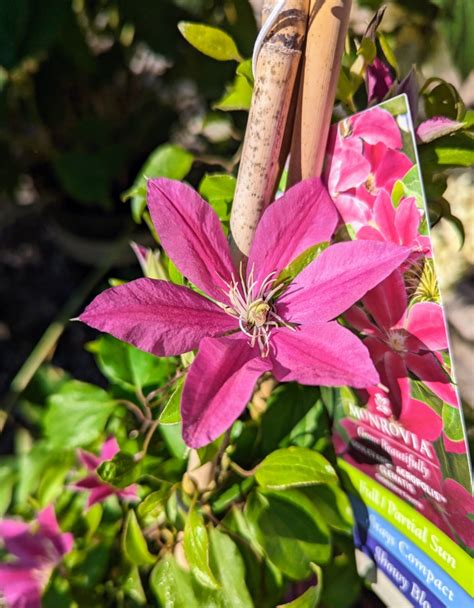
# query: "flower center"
x,y
257,313
370,183
345,128
254,308
396,341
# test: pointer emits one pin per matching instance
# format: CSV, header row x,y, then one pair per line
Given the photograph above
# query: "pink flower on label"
x,y
38,548
248,324
402,339
97,488
364,159
398,225
456,516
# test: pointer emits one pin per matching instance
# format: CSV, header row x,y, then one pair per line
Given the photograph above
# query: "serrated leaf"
x,y
77,415
238,96
134,544
210,41
121,471
171,413
298,264
196,549
245,69
294,466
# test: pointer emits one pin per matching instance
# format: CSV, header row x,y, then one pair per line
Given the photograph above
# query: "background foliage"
x,y
94,96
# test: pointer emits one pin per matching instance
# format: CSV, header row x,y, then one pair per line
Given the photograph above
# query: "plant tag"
x,y
402,444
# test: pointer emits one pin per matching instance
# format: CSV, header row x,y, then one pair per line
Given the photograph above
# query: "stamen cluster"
x,y
254,308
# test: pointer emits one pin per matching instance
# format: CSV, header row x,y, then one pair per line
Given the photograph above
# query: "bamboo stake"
x,y
276,71
327,29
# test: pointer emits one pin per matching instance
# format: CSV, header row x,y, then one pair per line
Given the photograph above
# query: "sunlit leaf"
x,y
196,549
210,41
294,466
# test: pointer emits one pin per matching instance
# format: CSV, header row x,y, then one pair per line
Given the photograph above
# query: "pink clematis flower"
x,y
456,516
38,549
248,325
402,340
99,490
398,225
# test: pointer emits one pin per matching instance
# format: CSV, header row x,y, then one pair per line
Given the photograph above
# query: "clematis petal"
x,y
369,233
356,317
407,221
50,530
348,167
302,217
87,483
384,215
87,459
157,316
426,322
322,353
353,208
110,447
435,127
191,234
218,387
339,277
387,302
429,371
377,126
19,586
414,415
378,80
393,166
99,494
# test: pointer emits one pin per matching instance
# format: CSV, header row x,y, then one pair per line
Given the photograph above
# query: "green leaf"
x,y
334,506
218,190
77,415
134,544
172,434
168,161
412,184
238,96
210,41
300,263
294,466
288,406
452,423
442,99
290,529
196,549
456,150
155,503
228,566
7,481
245,69
309,599
93,518
171,413
121,471
127,366
172,585
133,588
